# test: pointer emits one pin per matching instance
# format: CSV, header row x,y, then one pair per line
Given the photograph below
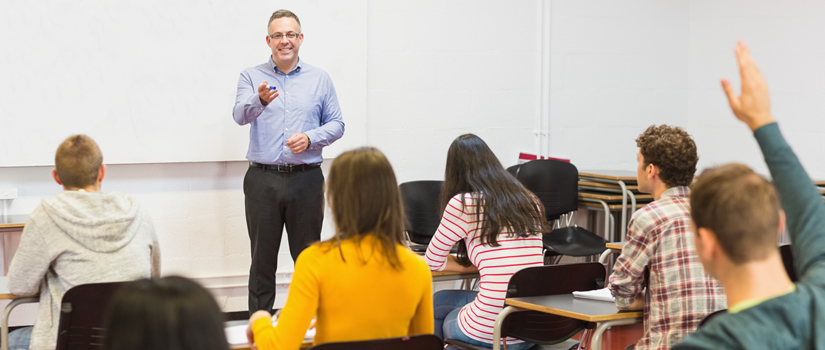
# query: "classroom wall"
x,y
618,67
435,70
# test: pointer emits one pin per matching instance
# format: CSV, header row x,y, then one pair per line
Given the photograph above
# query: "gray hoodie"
x,y
75,238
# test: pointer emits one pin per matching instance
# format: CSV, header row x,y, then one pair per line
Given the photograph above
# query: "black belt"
x,y
284,168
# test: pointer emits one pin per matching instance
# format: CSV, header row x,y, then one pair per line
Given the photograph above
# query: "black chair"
x,y
556,184
787,260
415,342
423,210
82,314
542,328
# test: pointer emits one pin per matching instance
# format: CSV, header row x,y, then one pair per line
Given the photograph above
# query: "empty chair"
x,y
82,315
415,342
556,183
538,327
423,211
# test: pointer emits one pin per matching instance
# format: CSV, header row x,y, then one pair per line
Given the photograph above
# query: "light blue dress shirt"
x,y
306,103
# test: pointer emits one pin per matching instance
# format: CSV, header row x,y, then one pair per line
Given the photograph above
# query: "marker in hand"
x,y
272,87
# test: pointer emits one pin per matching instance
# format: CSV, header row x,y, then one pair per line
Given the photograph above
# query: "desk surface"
x,y
13,221
569,306
615,245
623,175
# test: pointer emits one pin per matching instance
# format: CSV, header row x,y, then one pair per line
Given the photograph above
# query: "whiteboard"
x,y
154,81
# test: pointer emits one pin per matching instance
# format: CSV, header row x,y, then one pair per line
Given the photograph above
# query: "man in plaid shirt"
x,y
679,293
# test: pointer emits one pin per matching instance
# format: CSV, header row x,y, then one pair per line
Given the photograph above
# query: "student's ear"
x,y
56,179
781,227
707,245
101,172
652,171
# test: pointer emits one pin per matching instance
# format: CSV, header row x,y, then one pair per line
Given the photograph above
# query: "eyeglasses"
x,y
279,36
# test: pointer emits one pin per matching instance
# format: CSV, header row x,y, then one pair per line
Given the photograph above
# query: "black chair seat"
x,y
574,241
464,345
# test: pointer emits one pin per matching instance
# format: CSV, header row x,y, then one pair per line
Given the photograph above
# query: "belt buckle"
x,y
284,168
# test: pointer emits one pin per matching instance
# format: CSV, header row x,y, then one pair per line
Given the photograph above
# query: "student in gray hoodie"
x,y
78,236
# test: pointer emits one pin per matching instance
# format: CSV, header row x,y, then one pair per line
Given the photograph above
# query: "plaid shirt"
x,y
679,292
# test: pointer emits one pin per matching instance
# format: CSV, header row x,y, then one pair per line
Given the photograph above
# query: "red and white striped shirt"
x,y
495,264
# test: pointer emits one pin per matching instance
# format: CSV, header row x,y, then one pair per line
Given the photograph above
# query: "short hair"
x,y
672,150
78,160
165,313
740,207
280,14
364,198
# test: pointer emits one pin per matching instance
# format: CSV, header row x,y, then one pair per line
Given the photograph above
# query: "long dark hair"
x,y
473,168
364,197
169,313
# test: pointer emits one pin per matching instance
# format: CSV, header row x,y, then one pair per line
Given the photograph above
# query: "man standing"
x,y
294,113
679,292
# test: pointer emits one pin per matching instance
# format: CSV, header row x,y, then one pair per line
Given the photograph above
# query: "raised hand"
x,y
753,106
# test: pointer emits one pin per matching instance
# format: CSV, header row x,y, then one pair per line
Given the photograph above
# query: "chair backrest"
x,y
82,315
787,260
415,342
554,182
539,327
422,208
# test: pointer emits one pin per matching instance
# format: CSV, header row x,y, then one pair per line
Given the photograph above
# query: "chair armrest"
x,y
4,326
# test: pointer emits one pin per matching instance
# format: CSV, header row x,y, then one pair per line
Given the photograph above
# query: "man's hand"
x,y
752,107
638,304
266,94
298,142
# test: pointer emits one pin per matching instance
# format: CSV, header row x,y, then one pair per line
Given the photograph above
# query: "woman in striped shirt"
x,y
499,223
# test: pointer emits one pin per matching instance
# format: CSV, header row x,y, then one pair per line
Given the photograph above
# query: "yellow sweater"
x,y
358,297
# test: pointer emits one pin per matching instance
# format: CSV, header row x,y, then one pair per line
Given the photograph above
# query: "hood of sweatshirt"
x,y
100,221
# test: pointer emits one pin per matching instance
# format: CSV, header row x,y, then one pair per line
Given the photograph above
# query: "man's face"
x,y
641,174
285,50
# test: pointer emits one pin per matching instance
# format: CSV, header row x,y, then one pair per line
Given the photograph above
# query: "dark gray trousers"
x,y
273,200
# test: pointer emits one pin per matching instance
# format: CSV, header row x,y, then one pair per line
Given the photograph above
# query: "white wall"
x,y
618,67
435,70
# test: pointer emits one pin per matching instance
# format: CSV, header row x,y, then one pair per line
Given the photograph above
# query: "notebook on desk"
x,y
236,332
597,294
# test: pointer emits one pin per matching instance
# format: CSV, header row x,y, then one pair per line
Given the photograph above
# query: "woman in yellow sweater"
x,y
362,283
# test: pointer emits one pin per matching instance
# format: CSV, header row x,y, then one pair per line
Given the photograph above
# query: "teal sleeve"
x,y
801,201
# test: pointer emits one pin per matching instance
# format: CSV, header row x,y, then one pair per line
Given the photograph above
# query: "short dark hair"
x,y
672,150
165,313
740,207
280,14
78,160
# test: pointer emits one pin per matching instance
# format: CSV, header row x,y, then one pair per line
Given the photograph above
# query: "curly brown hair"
x,y
672,150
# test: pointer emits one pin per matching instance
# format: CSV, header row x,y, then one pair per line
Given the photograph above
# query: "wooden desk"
x,y
12,222
621,178
615,245
604,314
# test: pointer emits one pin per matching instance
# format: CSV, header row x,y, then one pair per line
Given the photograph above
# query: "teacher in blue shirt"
x,y
294,113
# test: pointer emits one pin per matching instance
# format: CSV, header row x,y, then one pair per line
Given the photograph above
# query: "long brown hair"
x,y
364,197
472,168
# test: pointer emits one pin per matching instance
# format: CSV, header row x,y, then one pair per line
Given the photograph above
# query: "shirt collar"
x,y
676,191
275,68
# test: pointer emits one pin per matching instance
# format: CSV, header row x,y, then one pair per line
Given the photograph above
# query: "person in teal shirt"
x,y
737,218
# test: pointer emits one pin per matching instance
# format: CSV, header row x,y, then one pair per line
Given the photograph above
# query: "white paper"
x,y
236,335
598,294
